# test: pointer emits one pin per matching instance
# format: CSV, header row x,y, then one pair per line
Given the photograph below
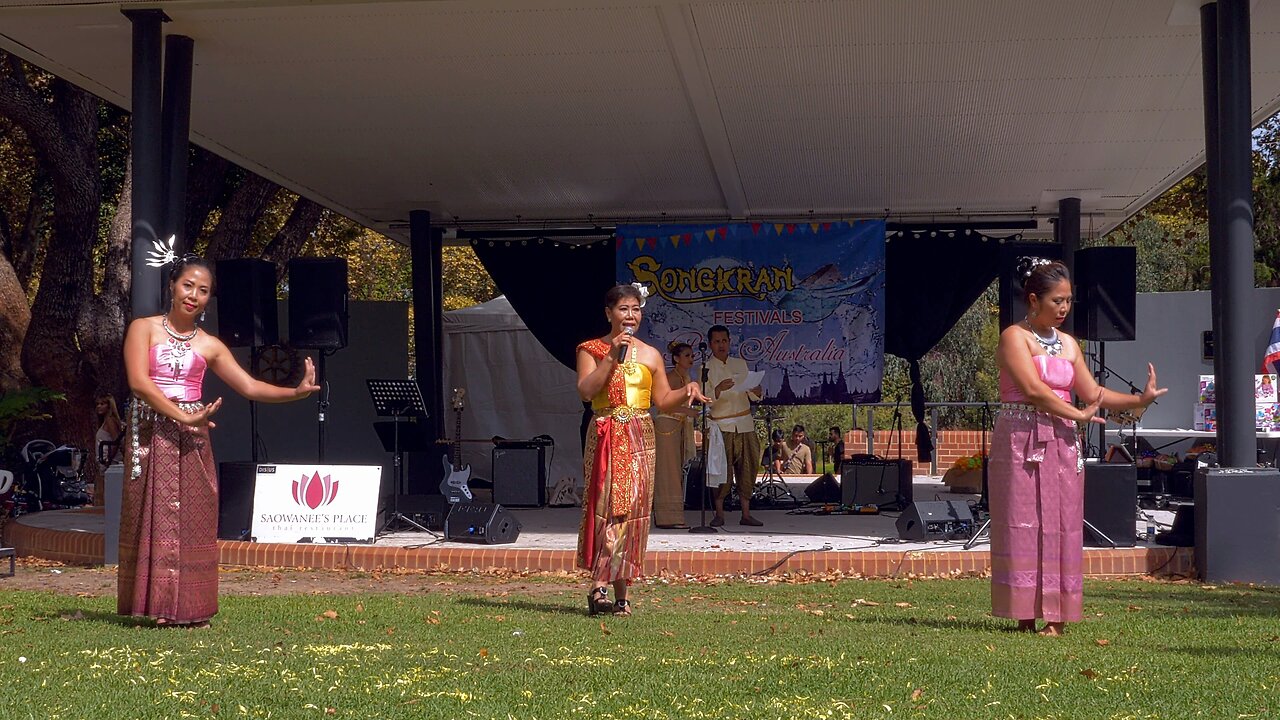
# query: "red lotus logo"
x,y
314,491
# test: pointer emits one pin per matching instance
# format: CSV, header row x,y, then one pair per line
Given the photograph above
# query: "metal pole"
x,y
1237,444
1068,235
1213,170
175,130
426,248
144,145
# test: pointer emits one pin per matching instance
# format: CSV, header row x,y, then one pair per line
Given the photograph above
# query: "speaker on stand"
x,y
318,318
246,292
1106,291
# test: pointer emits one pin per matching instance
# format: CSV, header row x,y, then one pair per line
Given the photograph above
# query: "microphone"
x,y
622,351
702,347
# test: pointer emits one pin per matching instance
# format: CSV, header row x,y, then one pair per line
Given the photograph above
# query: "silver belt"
x,y
140,410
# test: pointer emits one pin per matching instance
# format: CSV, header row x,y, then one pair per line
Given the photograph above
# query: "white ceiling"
x,y
559,110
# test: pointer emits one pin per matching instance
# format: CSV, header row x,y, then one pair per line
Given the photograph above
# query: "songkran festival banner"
x,y
803,302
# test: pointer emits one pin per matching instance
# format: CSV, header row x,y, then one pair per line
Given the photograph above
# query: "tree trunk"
x,y
14,317
204,190
293,237
111,306
232,236
26,242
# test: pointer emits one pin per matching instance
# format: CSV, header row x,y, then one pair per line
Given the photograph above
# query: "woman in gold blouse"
x,y
620,374
675,445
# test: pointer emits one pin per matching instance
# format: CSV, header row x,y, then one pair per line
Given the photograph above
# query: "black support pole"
x,y
144,146
175,130
426,250
1068,234
1213,171
1237,444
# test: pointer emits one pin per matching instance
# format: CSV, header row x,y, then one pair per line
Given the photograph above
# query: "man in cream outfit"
x,y
731,412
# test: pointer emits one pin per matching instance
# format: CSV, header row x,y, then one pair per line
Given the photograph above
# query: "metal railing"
x,y
909,420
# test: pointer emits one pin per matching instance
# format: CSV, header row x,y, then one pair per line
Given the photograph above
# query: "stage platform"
x,y
790,541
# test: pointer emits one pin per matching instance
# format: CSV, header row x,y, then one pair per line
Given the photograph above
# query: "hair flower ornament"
x,y
1027,265
643,290
164,252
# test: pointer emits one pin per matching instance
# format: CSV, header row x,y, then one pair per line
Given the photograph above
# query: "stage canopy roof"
x,y
555,110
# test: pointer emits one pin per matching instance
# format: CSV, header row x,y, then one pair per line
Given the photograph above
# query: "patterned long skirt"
x,y
674,448
169,524
1037,518
614,533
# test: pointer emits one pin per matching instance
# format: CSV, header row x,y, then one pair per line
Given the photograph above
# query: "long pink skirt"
x,y
1037,518
169,525
612,547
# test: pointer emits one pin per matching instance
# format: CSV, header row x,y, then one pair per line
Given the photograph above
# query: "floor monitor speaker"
x,y
936,520
477,522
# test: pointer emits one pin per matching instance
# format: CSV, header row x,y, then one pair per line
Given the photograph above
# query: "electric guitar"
x,y
454,485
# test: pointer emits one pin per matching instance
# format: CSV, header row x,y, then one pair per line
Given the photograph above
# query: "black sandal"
x,y
598,601
622,607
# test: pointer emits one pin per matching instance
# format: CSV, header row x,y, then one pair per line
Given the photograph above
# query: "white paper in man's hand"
x,y
752,380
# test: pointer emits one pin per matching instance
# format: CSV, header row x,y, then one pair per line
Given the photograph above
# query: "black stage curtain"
x,y
930,282
558,290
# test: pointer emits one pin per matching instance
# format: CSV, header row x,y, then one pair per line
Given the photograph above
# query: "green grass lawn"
x,y
852,649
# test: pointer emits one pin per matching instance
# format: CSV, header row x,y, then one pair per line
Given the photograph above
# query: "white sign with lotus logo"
x,y
316,503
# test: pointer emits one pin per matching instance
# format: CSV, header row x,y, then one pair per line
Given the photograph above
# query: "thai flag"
x,y
1271,361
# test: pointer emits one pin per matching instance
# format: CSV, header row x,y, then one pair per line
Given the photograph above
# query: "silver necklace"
x,y
1052,346
179,345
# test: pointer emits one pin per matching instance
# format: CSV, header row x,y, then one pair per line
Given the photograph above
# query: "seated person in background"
x,y
777,454
801,459
837,449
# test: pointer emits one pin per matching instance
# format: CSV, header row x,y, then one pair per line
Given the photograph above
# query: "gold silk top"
x,y
629,385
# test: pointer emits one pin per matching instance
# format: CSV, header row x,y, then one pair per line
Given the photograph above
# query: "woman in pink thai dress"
x,y
169,514
1036,467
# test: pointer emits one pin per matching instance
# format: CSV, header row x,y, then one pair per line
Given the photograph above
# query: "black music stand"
x,y
702,526
398,399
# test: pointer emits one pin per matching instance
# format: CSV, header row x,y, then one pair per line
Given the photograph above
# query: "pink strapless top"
x,y
183,383
1058,373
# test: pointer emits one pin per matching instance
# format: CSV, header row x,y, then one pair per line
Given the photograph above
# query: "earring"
x,y
202,316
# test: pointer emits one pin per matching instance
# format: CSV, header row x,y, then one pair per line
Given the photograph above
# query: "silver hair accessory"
x,y
643,290
1029,264
164,252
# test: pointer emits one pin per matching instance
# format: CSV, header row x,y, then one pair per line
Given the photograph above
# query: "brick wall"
x,y
952,444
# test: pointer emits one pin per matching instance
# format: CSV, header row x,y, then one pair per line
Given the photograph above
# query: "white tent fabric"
x,y
514,388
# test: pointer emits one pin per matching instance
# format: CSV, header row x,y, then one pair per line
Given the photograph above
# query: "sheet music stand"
x,y
398,399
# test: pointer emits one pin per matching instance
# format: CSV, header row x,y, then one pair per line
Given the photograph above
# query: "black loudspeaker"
x,y
826,489
1111,503
247,303
1183,532
318,303
936,520
884,483
1237,525
1106,288
1012,307
477,522
693,485
519,474
236,484
426,510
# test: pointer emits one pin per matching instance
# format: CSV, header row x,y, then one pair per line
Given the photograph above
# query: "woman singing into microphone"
x,y
621,375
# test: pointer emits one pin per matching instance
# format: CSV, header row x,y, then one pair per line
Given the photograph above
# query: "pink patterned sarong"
x,y
1037,508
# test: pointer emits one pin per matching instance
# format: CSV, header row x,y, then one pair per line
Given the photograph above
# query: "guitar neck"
x,y
457,437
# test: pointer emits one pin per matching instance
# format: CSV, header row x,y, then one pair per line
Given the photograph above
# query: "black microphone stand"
x,y
702,526
1105,372
983,505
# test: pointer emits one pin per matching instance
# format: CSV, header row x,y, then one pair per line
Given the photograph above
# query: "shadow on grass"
x,y
541,607
80,614
1224,602
996,625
